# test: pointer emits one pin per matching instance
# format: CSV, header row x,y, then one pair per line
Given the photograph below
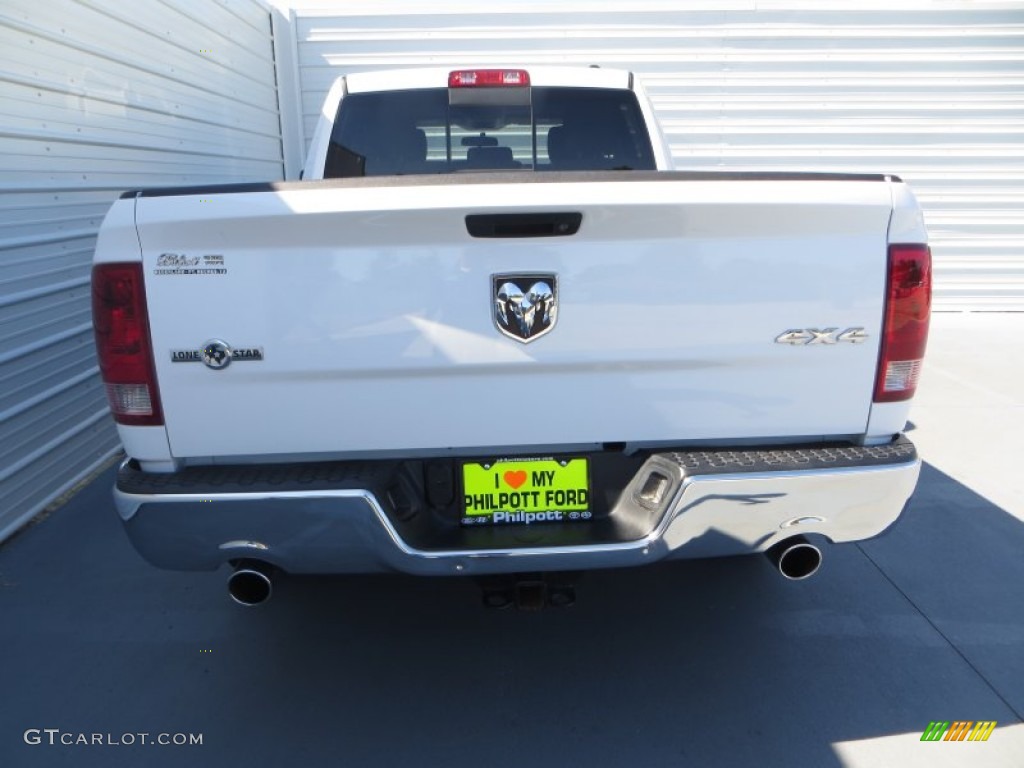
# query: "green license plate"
x,y
514,491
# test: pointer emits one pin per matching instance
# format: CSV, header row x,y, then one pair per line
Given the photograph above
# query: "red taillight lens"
x,y
488,78
122,343
905,333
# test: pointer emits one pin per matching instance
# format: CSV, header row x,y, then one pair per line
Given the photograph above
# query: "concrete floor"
x,y
696,663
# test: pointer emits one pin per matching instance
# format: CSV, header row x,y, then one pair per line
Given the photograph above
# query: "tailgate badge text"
x,y
183,264
216,354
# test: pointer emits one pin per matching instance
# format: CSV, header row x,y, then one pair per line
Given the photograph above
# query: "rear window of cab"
x,y
424,131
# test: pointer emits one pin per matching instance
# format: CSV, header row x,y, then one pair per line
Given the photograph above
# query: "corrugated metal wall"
x,y
934,94
96,97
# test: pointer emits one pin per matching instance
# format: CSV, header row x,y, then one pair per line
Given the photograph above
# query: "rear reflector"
x,y
123,345
907,312
488,78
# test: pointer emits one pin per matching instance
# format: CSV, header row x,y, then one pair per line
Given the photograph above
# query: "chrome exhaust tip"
x,y
795,558
250,584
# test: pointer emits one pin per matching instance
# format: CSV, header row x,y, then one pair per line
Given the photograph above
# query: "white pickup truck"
x,y
492,332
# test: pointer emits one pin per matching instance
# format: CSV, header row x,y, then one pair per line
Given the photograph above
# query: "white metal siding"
x,y
934,94
96,97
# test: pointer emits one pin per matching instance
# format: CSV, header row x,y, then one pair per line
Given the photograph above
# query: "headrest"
x,y
490,157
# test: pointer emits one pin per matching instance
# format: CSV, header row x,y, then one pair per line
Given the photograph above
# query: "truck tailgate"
x,y
367,310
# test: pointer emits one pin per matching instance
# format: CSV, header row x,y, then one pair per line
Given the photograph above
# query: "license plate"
x,y
525,491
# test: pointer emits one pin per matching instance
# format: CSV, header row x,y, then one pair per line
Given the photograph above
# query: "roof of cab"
x,y
437,77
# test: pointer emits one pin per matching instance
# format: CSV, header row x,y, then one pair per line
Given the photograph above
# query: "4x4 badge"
x,y
525,305
802,337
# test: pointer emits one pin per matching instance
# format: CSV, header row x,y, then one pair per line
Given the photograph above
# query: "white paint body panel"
x,y
373,307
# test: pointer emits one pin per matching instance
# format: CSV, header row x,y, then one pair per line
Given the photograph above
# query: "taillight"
x,y
488,78
905,333
122,343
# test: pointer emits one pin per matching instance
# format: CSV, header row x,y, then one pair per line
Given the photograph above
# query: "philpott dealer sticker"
x,y
525,491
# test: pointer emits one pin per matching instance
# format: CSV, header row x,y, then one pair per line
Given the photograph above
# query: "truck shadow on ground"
x,y
715,662
701,662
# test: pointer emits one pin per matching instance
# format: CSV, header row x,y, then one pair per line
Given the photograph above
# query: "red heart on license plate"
x,y
515,479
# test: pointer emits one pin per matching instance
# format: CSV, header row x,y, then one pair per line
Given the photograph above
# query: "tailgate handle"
x,y
523,224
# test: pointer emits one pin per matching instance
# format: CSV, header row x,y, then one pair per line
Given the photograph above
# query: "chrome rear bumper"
x,y
698,504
